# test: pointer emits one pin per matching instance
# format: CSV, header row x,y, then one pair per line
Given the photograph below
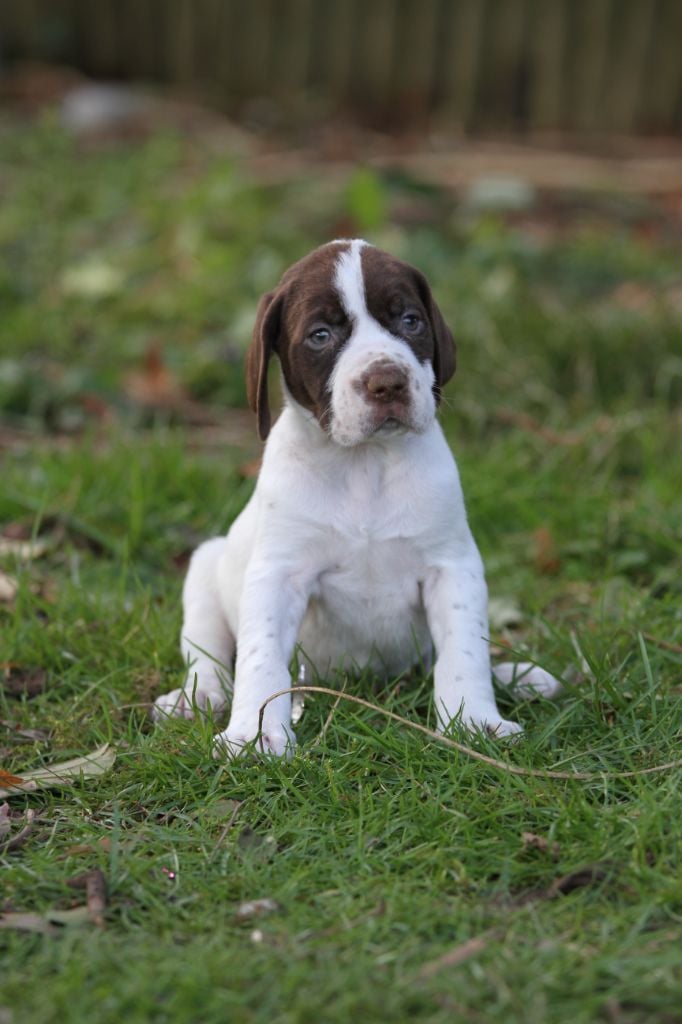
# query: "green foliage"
x,y
367,200
383,852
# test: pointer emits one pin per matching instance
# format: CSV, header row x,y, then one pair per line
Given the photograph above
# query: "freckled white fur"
x,y
355,546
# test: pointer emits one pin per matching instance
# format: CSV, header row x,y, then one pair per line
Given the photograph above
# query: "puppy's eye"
x,y
320,337
411,322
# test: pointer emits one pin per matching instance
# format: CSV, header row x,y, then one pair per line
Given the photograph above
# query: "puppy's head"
x,y
363,346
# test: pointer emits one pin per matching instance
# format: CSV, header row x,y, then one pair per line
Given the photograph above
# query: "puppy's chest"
x,y
367,566
367,524
375,552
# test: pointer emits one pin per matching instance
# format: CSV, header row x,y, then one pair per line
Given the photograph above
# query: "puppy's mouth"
x,y
389,418
379,427
390,425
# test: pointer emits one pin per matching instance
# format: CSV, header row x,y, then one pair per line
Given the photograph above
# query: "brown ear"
x,y
263,344
444,359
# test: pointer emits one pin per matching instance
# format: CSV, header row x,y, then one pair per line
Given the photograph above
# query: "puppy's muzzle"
x,y
385,387
385,383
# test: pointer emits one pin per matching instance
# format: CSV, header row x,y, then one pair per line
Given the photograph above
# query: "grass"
x,y
382,851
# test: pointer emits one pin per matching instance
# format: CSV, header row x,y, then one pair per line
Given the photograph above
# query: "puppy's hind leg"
x,y
207,642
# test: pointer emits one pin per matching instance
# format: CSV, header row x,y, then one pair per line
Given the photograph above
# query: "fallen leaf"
x,y
154,384
255,908
457,955
28,923
8,588
74,916
23,550
10,780
22,681
95,885
93,279
37,735
250,470
545,554
47,923
591,874
17,841
633,296
504,613
62,773
17,530
95,406
531,841
80,849
5,823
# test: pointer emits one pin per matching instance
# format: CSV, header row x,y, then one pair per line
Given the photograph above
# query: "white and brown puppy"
x,y
355,544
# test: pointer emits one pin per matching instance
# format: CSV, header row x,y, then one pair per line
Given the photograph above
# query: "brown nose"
x,y
387,383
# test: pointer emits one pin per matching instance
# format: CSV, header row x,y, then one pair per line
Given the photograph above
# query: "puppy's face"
x,y
363,346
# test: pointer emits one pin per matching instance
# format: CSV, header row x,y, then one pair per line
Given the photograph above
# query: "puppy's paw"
x,y
501,729
489,720
186,701
486,719
527,680
274,741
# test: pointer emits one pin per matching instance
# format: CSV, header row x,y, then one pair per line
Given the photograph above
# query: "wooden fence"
x,y
586,66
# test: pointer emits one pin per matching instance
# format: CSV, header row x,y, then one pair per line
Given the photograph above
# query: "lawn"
x,y
405,880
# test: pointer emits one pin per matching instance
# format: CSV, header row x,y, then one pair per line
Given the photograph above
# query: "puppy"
x,y
355,544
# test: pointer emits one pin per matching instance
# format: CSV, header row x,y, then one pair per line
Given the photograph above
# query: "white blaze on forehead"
x,y
367,333
350,283
353,415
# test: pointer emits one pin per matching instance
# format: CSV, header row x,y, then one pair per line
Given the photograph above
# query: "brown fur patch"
x,y
306,297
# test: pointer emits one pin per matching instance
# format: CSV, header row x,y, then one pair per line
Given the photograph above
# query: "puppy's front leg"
x,y
272,605
456,604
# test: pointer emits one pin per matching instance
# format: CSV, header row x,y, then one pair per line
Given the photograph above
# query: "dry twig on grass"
x,y
494,762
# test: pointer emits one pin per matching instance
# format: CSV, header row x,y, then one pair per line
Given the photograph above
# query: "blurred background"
x,y
162,161
456,66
